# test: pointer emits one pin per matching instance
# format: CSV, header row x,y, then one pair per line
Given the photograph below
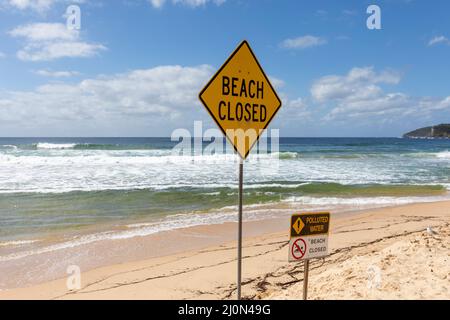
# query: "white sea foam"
x,y
362,201
9,146
44,145
439,155
17,243
64,170
443,155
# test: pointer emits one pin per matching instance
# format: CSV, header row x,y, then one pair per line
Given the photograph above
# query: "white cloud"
x,y
296,109
276,83
303,42
161,91
157,3
442,104
2,55
293,109
357,84
56,74
359,94
157,99
36,5
190,3
51,51
438,39
44,32
49,41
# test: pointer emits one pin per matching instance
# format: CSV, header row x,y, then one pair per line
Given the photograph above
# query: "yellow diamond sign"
x,y
298,225
241,99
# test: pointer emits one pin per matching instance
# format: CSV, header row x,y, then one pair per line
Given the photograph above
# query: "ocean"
x,y
81,190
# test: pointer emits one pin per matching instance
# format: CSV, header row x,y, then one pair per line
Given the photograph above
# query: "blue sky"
x,y
136,66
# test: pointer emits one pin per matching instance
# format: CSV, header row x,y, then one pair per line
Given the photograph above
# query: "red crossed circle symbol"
x,y
298,249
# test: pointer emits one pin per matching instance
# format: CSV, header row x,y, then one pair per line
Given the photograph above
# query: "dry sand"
x,y
378,254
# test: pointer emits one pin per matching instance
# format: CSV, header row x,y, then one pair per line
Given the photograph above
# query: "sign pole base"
x,y
239,270
305,280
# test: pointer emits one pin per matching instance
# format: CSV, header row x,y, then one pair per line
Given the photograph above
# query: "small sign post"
x,y
308,239
242,102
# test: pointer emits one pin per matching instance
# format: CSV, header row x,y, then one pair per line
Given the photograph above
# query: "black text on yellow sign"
x,y
309,224
241,99
242,111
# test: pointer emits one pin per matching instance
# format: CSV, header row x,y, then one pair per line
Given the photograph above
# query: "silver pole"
x,y
239,270
305,280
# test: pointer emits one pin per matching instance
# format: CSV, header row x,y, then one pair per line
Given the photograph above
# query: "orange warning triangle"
x,y
298,225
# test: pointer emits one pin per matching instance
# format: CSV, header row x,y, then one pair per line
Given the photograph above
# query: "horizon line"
x,y
168,137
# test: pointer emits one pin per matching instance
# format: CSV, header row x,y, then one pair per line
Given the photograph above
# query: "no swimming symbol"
x,y
298,249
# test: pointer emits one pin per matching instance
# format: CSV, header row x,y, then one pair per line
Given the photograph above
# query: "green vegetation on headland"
x,y
439,131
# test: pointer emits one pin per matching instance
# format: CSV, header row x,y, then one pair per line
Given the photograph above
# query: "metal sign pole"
x,y
239,270
305,280
265,104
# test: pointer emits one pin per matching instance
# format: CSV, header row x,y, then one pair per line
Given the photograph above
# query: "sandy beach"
x,y
225,150
384,253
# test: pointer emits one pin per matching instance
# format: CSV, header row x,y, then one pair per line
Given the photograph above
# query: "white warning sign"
x,y
309,236
308,247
